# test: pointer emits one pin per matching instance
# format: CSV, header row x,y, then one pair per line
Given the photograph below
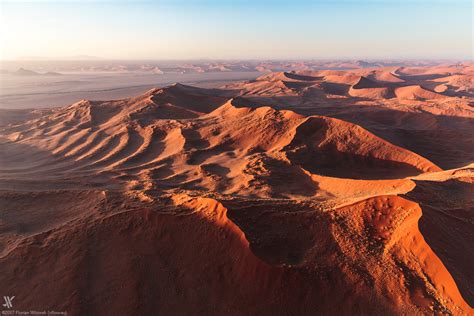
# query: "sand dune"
x,y
386,76
295,193
416,93
92,135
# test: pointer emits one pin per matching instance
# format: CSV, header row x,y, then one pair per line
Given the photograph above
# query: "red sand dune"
x,y
416,93
386,76
296,193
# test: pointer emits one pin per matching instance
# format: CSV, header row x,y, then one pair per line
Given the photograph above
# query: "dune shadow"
x,y
276,234
446,225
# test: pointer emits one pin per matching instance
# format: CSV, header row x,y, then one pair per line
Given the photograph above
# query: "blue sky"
x,y
235,29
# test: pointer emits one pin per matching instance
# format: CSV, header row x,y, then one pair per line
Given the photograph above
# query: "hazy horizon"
x,y
230,30
296,59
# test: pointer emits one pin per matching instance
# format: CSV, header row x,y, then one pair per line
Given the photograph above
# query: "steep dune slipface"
x,y
387,227
336,148
446,224
340,76
367,88
366,83
187,200
416,93
193,254
386,77
371,93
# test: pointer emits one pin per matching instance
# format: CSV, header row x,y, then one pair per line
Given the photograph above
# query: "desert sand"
x,y
297,193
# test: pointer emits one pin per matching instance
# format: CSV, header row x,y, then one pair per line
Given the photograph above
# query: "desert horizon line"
x,y
92,58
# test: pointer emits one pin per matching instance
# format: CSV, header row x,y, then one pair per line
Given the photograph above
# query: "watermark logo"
x,y
8,301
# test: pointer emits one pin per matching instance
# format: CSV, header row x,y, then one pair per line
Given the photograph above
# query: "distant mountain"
x,y
74,57
26,72
52,73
